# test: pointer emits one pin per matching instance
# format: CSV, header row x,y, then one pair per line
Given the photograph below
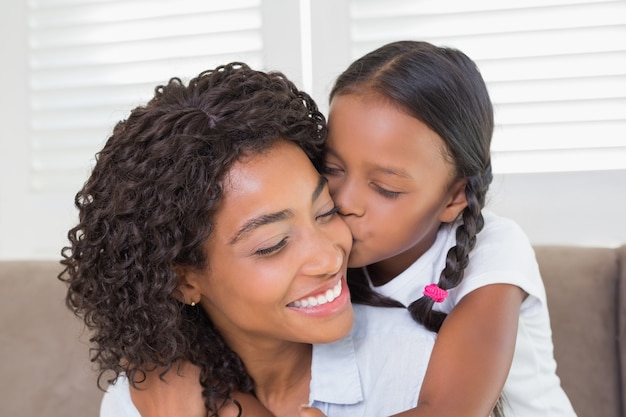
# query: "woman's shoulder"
x,y
393,351
391,322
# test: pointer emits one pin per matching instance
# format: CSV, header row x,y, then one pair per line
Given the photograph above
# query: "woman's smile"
x,y
320,299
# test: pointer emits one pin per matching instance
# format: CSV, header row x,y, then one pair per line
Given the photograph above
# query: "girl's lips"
x,y
320,299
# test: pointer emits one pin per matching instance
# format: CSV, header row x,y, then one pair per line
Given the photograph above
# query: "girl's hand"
x,y
306,411
178,394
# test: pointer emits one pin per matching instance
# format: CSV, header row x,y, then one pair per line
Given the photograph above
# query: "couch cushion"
x,y
581,285
45,368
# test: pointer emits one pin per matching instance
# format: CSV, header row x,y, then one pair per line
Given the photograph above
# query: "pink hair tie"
x,y
435,292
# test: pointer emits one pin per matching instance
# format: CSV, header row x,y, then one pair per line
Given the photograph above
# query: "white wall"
x,y
27,227
572,208
15,223
581,208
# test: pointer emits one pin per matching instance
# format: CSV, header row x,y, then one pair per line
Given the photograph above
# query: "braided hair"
x,y
443,88
148,207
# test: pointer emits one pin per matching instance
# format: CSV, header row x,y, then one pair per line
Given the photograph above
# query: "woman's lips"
x,y
320,299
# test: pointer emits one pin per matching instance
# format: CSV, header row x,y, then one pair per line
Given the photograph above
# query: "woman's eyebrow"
x,y
321,184
264,219
259,221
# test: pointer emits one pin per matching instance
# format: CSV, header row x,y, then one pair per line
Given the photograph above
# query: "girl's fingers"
x,y
306,411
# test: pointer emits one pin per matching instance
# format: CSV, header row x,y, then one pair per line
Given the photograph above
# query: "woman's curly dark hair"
x,y
148,207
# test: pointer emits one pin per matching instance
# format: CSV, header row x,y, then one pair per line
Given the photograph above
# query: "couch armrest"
x,y
621,323
583,290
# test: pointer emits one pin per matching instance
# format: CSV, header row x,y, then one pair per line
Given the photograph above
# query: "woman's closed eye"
x,y
325,217
272,249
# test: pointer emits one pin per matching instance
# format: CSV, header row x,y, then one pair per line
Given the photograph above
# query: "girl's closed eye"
x,y
386,193
330,169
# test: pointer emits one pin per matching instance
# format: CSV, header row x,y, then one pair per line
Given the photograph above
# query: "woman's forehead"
x,y
283,178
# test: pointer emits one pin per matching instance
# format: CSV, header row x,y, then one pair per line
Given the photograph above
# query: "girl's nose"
x,y
349,198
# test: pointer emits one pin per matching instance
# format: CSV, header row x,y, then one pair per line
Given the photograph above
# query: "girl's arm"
x,y
306,411
472,355
180,394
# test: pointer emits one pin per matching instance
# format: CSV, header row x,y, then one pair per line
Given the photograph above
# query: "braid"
x,y
362,293
443,88
457,258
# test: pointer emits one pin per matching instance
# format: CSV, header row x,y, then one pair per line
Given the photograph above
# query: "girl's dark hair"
x,y
148,206
443,88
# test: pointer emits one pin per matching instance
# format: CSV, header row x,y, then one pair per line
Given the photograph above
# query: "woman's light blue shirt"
x,y
376,371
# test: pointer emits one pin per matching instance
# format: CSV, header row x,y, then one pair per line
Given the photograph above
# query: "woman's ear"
x,y
188,290
456,203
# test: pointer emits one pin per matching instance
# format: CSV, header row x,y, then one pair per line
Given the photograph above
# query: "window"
x,y
555,69
92,61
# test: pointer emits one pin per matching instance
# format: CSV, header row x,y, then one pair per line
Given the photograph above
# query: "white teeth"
x,y
319,300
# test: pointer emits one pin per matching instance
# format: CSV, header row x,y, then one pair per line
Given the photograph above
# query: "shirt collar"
x,y
335,375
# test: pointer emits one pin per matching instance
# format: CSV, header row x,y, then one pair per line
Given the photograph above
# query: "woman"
x,y
207,236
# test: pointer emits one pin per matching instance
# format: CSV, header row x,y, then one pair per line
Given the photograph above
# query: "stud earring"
x,y
193,304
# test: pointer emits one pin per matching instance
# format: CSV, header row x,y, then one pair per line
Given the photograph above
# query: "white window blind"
x,y
555,69
91,61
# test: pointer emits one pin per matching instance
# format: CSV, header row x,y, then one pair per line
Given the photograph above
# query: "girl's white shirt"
x,y
503,254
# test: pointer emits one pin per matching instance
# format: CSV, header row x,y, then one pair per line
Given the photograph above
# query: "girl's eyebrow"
x,y
393,171
265,219
387,170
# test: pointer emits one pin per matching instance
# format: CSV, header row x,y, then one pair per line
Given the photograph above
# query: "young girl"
x,y
194,247
408,163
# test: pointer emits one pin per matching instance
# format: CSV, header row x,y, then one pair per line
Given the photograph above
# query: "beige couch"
x,y
45,371
586,290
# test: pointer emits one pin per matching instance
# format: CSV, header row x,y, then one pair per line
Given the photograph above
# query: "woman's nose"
x,y
327,250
